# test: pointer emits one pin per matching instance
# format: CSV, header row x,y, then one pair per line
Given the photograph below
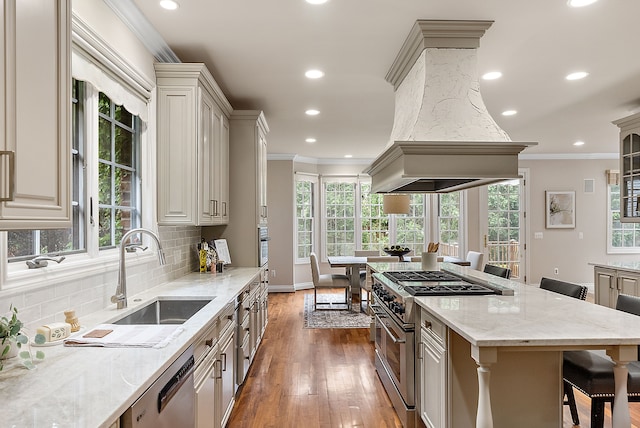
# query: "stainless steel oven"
x,y
263,245
395,360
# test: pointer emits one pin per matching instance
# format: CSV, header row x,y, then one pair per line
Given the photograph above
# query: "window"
x,y
374,224
118,148
340,217
305,197
24,244
449,222
623,237
353,219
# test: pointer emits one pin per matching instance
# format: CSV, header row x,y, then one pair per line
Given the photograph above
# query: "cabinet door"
x,y
227,379
630,177
627,284
606,287
35,118
209,132
433,381
222,175
176,155
262,177
205,397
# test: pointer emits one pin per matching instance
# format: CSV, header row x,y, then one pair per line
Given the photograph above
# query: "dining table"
x,y
353,265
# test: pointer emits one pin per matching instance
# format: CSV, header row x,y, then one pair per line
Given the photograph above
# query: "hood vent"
x,y
443,138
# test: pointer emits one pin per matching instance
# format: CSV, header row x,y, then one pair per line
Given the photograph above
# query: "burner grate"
x,y
421,276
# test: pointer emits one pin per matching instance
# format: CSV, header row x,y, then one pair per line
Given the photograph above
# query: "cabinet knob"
x,y
209,342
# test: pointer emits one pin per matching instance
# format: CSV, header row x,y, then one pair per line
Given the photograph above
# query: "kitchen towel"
x,y
127,336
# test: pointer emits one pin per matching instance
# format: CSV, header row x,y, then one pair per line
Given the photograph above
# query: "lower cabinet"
x,y
609,283
432,368
205,386
226,380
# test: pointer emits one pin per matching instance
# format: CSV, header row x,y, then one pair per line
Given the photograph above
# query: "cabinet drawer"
x,y
437,329
205,343
226,319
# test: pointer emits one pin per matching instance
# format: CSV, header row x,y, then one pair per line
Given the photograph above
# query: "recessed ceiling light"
x,y
312,112
314,74
580,3
168,4
348,156
509,112
310,140
316,1
579,143
577,75
492,75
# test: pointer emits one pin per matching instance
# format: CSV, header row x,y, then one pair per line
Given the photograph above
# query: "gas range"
x,y
395,290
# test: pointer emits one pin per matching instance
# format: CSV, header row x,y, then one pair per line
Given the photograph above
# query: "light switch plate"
x,y
537,235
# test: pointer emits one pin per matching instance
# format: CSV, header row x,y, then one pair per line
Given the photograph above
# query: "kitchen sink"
x,y
165,311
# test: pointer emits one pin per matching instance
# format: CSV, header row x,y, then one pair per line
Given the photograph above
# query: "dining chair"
x,y
500,271
475,259
576,291
328,281
591,372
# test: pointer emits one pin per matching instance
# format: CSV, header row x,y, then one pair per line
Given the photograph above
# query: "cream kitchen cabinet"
x,y
629,168
609,283
193,146
35,118
432,367
248,185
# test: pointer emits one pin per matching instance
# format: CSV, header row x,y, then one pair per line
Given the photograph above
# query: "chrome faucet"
x,y
41,261
121,291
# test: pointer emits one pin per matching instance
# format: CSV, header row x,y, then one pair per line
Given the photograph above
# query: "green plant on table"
x,y
11,333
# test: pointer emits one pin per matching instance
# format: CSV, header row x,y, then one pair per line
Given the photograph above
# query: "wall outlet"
x,y
273,273
556,271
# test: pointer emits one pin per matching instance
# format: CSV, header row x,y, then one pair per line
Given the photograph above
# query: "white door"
x,y
503,225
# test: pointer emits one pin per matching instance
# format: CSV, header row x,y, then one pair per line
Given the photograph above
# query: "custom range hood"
x,y
443,138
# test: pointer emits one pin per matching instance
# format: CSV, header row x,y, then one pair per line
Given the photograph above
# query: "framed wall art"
x,y
560,210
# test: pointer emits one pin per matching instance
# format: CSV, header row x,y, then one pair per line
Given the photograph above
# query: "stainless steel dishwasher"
x,y
169,402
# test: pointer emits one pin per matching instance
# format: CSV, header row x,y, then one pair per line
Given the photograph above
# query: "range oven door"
x,y
396,349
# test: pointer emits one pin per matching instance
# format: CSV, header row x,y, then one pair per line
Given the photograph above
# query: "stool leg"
x,y
597,413
571,401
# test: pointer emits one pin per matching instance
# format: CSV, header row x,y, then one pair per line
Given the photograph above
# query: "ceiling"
x,y
258,52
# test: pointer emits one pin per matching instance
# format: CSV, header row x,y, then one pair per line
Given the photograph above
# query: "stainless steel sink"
x,y
165,311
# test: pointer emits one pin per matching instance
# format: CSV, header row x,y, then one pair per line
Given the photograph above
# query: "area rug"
x,y
333,318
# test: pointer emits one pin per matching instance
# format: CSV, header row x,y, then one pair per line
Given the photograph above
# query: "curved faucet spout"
x,y
120,298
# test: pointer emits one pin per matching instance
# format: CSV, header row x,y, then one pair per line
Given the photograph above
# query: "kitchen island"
x,y
499,357
614,278
92,387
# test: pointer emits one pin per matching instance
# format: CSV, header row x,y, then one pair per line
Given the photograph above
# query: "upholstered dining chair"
x,y
500,271
591,372
576,291
363,272
328,281
475,259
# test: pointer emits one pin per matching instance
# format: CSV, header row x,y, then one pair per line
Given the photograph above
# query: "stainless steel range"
x,y
395,320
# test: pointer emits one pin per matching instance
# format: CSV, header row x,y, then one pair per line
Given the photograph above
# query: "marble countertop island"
x,y
631,266
93,386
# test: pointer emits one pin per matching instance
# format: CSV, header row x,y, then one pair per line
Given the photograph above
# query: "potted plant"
x,y
12,338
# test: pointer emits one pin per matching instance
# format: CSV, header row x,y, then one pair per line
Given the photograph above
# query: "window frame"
x,y
313,179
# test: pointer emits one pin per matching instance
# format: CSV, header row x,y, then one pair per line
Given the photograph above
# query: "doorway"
x,y
504,225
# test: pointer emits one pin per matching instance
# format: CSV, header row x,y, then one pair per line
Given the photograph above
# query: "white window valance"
x,y
94,61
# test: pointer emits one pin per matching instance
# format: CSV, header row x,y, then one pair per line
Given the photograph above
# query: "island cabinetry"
x,y
609,283
35,115
193,146
629,167
432,367
248,185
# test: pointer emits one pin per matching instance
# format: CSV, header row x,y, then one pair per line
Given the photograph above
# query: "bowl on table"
x,y
398,252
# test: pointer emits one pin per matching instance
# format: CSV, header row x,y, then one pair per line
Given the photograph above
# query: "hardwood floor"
x,y
326,378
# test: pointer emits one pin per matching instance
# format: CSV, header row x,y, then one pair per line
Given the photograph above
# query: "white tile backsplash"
x,y
47,303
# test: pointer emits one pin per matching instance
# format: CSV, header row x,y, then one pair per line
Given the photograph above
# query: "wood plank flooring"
x,y
326,378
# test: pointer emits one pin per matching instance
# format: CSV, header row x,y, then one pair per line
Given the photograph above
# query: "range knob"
x,y
388,297
399,309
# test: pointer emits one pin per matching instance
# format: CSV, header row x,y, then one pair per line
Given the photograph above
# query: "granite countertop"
x,y
631,266
91,386
531,317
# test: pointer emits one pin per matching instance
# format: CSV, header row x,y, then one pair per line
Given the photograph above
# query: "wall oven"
x,y
263,245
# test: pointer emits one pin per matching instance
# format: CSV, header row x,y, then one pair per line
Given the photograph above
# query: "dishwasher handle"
x,y
174,384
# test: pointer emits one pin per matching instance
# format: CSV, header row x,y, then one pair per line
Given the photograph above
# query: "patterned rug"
x,y
333,318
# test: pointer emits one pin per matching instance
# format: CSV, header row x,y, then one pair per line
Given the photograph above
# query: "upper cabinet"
x,y
35,118
193,146
629,168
